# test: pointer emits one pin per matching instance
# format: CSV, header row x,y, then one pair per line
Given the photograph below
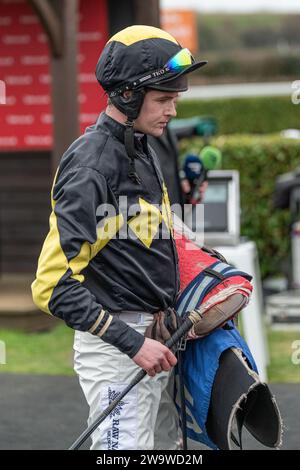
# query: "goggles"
x,y
179,61
176,64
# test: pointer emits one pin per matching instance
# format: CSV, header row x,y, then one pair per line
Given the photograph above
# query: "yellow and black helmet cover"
x,y
136,57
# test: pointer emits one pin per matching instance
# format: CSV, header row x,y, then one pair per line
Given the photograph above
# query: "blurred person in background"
x,y
166,148
178,185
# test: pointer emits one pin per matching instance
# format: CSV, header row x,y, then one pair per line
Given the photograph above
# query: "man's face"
x,y
157,109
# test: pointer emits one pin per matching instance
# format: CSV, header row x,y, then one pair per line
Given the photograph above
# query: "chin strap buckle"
x,y
129,123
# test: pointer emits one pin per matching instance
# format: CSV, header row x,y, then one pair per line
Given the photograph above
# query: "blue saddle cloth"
x,y
200,365
201,358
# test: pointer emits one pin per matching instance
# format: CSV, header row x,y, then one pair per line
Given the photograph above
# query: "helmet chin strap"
x,y
129,146
130,106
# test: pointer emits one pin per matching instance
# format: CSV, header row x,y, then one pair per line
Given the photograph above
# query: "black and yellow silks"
x,y
86,268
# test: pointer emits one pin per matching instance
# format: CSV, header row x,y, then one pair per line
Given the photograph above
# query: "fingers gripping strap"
x,y
164,325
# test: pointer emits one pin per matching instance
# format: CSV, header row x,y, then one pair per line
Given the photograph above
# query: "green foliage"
x,y
281,368
39,353
248,47
234,31
259,115
259,160
50,353
259,65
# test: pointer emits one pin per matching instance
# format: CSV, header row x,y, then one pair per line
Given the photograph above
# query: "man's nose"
x,y
171,110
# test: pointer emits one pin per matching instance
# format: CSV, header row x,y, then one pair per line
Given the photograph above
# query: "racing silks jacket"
x,y
100,258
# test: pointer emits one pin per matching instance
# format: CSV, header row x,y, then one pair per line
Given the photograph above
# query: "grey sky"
x,y
234,5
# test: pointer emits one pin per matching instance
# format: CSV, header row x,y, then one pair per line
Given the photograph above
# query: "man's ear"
x,y
127,94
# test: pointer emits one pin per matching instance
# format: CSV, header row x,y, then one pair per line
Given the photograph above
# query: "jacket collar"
x,y
117,130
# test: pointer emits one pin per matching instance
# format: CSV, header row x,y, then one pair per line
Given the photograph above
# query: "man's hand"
x,y
188,190
154,357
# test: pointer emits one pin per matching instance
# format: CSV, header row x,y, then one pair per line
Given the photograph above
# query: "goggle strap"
x,y
167,68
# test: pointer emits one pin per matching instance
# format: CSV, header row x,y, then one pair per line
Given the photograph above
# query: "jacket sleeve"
x,y
73,240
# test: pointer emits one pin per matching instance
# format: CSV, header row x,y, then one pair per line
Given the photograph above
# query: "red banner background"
x,y
26,118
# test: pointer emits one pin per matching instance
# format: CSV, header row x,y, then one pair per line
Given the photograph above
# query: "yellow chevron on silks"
x,y
104,234
166,209
146,224
53,263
